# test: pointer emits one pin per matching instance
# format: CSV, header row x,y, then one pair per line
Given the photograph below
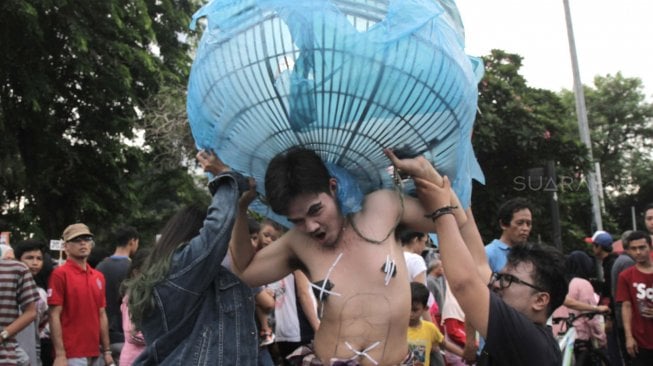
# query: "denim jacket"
x,y
204,314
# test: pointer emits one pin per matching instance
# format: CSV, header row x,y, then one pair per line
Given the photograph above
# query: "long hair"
x,y
179,230
579,264
124,234
135,266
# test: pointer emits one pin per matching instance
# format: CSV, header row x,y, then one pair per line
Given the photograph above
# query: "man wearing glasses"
x,y
509,308
76,296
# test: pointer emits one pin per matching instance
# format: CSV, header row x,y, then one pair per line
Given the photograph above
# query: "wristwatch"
x,y
4,335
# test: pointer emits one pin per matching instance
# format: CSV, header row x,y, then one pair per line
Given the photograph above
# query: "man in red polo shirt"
x,y
76,295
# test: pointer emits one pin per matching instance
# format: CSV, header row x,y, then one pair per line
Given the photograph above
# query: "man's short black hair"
x,y
27,246
124,234
419,293
294,172
549,270
635,235
508,209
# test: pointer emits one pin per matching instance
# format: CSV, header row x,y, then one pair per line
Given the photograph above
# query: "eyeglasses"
x,y
82,239
506,279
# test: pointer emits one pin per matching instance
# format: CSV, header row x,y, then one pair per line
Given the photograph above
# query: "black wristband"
x,y
446,210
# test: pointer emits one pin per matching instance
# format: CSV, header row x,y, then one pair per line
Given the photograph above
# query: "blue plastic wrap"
x,y
344,78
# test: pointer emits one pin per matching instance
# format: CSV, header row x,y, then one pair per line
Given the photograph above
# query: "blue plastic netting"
x,y
344,78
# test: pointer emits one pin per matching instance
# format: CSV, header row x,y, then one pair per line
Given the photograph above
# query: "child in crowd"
x,y
269,231
424,338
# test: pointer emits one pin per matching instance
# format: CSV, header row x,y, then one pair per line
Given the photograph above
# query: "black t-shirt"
x,y
513,339
115,270
606,289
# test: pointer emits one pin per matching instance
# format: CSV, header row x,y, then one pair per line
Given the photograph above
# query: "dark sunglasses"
x,y
80,239
506,279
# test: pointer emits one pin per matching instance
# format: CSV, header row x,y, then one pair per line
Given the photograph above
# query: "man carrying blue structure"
x,y
356,266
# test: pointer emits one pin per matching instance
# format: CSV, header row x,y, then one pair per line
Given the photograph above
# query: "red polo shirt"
x,y
81,295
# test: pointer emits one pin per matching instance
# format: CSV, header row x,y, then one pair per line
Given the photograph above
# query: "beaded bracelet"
x,y
440,212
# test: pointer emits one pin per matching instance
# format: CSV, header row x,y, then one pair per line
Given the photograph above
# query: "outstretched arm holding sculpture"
x,y
240,249
416,213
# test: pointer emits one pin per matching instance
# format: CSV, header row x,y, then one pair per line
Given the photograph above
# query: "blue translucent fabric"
x,y
344,78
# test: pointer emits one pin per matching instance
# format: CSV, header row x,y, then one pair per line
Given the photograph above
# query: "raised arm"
x,y
469,287
474,241
269,264
239,243
206,251
255,269
415,214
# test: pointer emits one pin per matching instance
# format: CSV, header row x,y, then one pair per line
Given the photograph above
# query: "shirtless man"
x,y
354,262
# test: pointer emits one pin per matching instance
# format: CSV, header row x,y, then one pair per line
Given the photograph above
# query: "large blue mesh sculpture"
x,y
344,78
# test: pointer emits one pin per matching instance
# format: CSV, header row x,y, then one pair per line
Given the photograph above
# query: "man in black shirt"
x,y
509,308
115,269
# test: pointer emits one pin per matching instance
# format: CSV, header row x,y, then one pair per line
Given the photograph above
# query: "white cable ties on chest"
x,y
363,353
324,288
390,269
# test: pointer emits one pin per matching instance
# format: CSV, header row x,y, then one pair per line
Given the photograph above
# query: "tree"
x,y
621,128
74,78
519,128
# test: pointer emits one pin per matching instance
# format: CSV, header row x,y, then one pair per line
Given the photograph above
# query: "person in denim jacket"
x,y
190,309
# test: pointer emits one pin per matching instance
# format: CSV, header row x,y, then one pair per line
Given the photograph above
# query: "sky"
x,y
611,36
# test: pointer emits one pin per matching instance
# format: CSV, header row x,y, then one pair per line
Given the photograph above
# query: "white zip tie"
x,y
389,269
324,284
363,352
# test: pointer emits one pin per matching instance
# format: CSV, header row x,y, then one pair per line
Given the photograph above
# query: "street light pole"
x,y
583,128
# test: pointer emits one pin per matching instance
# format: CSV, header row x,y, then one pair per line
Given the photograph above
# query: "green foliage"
x,y
621,128
519,128
74,76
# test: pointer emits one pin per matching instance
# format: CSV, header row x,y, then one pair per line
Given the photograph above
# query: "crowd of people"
x,y
221,286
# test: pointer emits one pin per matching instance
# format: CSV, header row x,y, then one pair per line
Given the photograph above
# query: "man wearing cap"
x,y
76,295
602,247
